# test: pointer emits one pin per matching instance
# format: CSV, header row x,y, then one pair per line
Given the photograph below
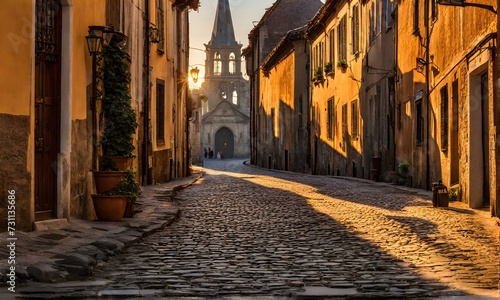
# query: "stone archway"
x,y
224,141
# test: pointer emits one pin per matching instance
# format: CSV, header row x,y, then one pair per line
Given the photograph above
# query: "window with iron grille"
x,y
354,120
342,39
444,118
160,111
160,23
355,29
113,14
329,119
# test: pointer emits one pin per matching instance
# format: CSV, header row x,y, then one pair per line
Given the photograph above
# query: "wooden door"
x,y
47,106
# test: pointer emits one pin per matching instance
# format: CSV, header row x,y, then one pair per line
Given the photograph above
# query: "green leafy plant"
x,y
107,164
403,169
119,116
318,75
203,97
329,67
342,64
128,187
455,194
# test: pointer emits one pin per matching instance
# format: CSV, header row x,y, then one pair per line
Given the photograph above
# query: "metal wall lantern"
x,y
194,74
98,36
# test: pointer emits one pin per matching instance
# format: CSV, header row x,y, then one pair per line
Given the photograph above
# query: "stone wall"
x,y
14,174
81,164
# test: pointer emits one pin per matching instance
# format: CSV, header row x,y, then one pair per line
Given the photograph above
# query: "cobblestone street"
x,y
247,231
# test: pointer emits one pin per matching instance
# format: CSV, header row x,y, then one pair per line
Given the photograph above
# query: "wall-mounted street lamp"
x,y
463,4
194,74
99,36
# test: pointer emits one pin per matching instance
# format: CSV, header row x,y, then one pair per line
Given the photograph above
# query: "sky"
x,y
243,13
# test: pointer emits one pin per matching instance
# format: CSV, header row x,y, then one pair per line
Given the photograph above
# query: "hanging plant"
x,y
119,116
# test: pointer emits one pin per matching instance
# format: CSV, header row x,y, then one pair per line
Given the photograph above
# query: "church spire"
x,y
223,32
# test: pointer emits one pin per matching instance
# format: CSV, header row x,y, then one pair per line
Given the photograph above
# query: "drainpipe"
x,y
145,142
427,92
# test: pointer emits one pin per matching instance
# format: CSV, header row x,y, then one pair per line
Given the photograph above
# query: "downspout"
x,y
427,92
188,96
145,142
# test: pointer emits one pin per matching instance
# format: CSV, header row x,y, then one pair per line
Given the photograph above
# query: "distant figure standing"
x,y
205,152
210,153
218,155
221,155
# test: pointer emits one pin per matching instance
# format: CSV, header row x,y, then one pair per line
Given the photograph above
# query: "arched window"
x,y
217,64
232,63
235,97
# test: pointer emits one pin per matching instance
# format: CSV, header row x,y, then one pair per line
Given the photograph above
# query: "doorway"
x,y
478,185
47,106
224,142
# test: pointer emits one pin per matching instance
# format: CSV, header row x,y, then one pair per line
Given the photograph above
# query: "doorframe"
x,y
477,67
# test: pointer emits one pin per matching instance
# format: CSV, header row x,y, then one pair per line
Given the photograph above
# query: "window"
x,y
329,119
217,63
235,97
387,7
160,111
160,23
232,63
354,120
342,39
344,125
114,14
372,22
332,45
420,123
378,16
434,8
415,17
444,118
355,29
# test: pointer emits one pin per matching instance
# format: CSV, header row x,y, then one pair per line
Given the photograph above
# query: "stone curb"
x,y
83,244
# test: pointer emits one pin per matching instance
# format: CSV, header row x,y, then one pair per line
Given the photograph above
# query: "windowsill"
x,y
160,142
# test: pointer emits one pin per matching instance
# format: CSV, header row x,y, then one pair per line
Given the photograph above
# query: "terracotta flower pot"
x,y
105,181
109,208
121,162
129,209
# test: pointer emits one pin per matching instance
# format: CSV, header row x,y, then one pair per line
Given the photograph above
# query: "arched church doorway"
x,y
224,141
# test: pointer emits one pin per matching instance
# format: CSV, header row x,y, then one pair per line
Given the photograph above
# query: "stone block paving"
x,y
246,231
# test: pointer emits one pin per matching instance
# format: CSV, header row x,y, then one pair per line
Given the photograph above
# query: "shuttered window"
x,y
342,39
355,29
160,111
444,118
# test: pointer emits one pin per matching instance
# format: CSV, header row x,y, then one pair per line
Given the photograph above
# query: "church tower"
x,y
225,122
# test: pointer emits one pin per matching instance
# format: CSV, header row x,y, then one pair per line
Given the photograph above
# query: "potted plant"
x,y
342,64
318,75
403,171
120,121
329,69
129,188
119,127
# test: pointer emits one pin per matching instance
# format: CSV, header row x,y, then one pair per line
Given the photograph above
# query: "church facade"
x,y
225,113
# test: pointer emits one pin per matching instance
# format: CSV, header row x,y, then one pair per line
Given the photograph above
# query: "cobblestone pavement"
x,y
252,232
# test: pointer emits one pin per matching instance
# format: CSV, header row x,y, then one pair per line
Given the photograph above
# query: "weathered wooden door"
x,y
47,106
